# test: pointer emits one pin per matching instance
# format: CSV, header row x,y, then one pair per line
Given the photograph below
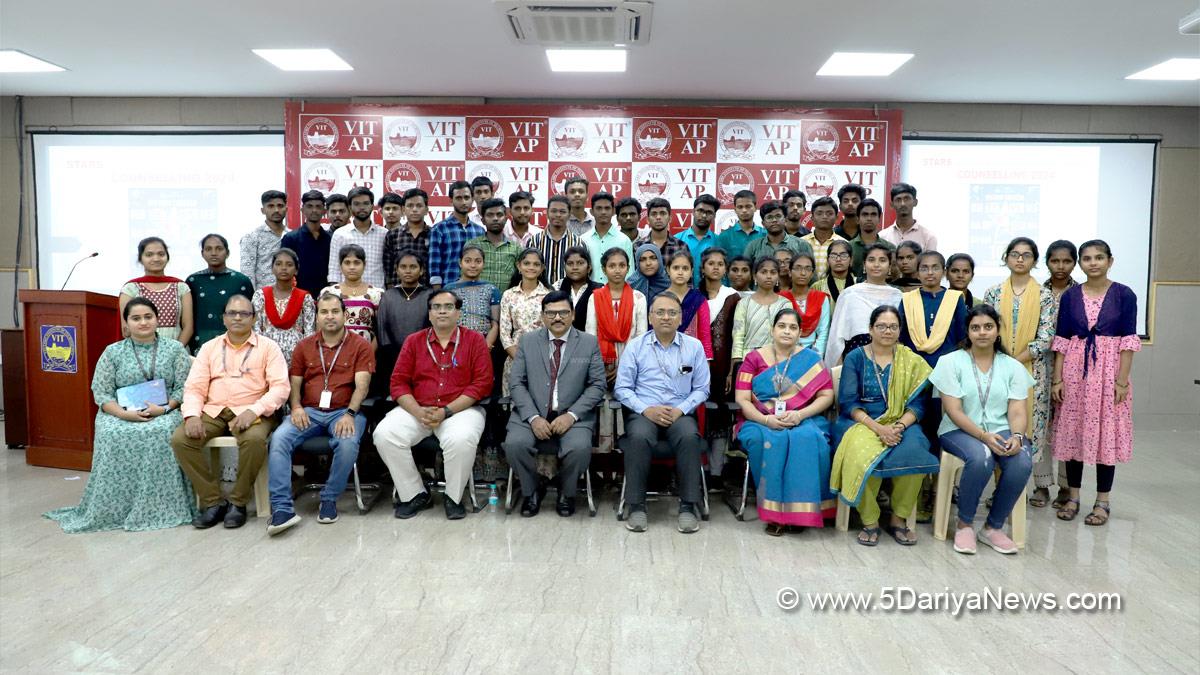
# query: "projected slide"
x,y
105,193
977,195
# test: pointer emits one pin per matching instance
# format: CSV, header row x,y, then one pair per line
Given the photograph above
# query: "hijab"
x,y
649,286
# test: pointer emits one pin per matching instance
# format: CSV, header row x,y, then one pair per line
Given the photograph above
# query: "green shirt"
x,y
762,247
954,376
859,253
499,262
734,239
210,291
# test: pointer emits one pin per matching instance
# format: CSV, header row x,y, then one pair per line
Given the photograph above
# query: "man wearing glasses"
x,y
556,383
777,239
236,383
662,378
440,377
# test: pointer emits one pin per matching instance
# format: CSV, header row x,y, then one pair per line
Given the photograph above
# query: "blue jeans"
x,y
287,438
980,463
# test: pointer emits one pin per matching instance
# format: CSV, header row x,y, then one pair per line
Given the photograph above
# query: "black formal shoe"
x,y
532,504
236,517
565,506
454,510
210,516
413,506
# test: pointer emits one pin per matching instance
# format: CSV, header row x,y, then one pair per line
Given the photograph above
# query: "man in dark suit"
x,y
556,383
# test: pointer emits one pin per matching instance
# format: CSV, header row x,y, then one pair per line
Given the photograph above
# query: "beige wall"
x,y
1176,231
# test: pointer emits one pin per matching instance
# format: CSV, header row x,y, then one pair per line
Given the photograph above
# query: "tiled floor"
x,y
496,594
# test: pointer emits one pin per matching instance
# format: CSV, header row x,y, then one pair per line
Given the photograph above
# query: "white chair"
x,y
948,476
262,495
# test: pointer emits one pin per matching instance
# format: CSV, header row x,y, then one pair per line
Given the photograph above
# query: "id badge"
x,y
780,407
326,399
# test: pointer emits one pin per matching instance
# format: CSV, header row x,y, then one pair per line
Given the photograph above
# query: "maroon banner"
x,y
672,152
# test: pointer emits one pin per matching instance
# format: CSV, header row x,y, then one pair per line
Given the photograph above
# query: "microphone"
x,y
93,254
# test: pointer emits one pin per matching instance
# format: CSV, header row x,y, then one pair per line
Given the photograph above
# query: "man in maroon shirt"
x,y
440,376
330,374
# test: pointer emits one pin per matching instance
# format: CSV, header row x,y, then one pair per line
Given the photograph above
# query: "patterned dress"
x,y
478,298
520,313
360,309
210,291
286,338
752,324
1090,426
168,302
135,483
1042,355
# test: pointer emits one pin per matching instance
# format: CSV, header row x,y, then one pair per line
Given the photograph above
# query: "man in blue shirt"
x,y
662,377
447,237
311,242
699,237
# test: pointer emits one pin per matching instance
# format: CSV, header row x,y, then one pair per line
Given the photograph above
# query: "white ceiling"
x,y
1012,51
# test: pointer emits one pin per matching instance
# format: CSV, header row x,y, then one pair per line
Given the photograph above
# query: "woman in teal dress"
x,y
136,483
783,390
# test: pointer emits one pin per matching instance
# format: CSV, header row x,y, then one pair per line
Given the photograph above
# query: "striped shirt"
x,y
372,243
820,251
555,253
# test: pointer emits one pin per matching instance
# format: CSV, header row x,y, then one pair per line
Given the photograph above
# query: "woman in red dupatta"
x,y
813,306
171,296
283,312
616,313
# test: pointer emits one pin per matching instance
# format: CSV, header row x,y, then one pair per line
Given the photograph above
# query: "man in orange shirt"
x,y
237,382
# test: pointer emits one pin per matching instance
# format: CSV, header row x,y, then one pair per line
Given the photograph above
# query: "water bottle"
x,y
493,499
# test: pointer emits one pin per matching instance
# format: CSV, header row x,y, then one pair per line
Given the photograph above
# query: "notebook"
x,y
136,396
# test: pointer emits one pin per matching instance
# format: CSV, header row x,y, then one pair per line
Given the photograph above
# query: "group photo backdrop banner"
x,y
645,152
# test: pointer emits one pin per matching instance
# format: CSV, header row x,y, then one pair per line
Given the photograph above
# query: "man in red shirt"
x,y
330,374
440,377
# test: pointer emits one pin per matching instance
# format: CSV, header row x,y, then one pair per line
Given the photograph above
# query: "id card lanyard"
x,y
326,395
780,381
153,359
983,393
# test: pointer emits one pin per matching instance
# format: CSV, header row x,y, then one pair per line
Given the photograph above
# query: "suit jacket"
x,y
581,378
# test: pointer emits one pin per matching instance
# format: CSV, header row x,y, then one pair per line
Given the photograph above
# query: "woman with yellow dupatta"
x,y
1027,313
783,389
880,401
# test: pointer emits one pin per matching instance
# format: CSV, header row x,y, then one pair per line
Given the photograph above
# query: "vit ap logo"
x,y
818,182
732,180
737,141
320,137
321,176
820,144
491,172
403,137
652,181
569,138
652,139
564,173
402,177
486,138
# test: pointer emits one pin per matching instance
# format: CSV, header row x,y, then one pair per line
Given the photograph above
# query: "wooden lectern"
x,y
65,333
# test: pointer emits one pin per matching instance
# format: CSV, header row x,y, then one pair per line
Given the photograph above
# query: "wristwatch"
x,y
449,413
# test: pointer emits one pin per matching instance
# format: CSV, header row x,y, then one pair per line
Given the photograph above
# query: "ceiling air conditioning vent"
x,y
578,23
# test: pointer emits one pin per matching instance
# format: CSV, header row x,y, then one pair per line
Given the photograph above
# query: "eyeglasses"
x,y
929,268
238,314
1020,255
556,313
838,256
448,307
666,313
887,328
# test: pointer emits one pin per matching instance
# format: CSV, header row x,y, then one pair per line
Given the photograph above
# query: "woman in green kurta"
x,y
135,483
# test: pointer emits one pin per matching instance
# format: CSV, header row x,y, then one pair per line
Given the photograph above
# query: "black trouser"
x,y
1104,475
574,451
640,444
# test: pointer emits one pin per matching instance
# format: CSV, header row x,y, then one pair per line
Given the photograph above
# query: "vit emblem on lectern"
x,y
58,349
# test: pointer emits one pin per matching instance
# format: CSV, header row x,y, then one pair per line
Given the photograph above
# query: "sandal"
x,y
900,534
1040,498
872,536
776,529
1063,495
1098,519
1067,513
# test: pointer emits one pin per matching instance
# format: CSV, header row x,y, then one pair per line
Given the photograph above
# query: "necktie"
x,y
554,364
